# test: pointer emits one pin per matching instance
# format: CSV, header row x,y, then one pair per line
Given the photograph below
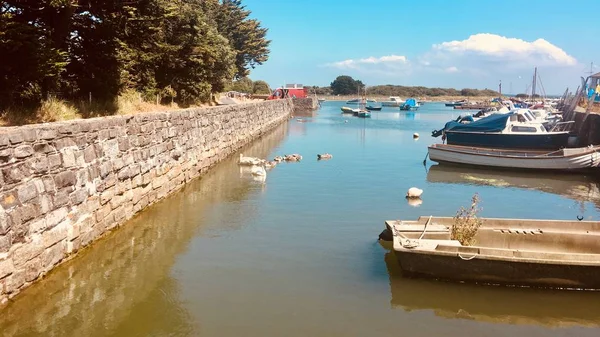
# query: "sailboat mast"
x,y
534,83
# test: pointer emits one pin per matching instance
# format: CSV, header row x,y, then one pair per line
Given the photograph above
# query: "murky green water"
x,y
298,256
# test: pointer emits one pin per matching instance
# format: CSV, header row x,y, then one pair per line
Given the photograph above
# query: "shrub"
x,y
466,223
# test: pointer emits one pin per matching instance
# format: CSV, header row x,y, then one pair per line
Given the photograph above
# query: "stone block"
x,y
14,174
56,234
5,242
105,169
33,269
89,154
68,157
4,140
106,196
55,217
6,268
49,185
37,226
53,255
54,161
47,133
79,196
64,179
46,204
27,192
43,148
62,143
40,164
29,134
4,221
6,155
15,137
110,148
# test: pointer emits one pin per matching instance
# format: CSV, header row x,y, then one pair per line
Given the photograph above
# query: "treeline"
x,y
346,85
181,50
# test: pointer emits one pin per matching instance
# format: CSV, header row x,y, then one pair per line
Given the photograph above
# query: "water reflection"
x,y
573,186
492,304
123,284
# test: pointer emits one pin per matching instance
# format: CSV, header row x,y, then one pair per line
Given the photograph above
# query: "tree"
x,y
246,36
261,87
244,85
346,85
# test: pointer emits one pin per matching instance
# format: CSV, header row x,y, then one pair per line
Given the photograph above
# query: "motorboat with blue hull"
x,y
506,130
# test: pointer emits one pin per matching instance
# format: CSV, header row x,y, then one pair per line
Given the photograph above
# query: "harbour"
x,y
230,255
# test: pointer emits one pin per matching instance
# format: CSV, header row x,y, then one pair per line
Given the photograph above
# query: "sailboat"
x,y
362,112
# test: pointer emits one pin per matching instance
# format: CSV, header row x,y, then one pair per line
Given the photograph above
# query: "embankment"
x,y
63,185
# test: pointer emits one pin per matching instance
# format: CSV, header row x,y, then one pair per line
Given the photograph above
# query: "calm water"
x,y
298,255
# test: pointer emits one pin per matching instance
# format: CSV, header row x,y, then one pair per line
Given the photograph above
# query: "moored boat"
x,y
363,114
562,160
539,253
410,104
506,130
347,110
393,101
373,108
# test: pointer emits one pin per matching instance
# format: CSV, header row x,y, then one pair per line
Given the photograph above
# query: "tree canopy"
x,y
346,85
73,48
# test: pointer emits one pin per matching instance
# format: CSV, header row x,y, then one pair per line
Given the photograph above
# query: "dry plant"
x,y
466,223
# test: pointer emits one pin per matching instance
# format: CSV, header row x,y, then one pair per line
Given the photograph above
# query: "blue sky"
x,y
453,43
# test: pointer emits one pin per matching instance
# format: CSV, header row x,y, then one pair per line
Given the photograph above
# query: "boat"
x,y
373,108
513,130
410,104
517,252
347,110
393,101
363,114
456,103
566,159
515,306
358,101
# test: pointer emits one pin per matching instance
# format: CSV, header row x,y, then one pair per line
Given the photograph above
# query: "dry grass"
x,y
53,110
466,223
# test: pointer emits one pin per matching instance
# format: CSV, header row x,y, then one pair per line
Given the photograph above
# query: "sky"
x,y
435,43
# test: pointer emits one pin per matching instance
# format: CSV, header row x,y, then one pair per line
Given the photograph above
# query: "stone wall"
x,y
63,185
305,104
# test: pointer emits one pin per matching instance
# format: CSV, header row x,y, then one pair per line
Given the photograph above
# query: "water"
x,y
297,255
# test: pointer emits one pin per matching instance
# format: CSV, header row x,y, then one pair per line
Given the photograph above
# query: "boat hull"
x,y
501,272
574,159
546,141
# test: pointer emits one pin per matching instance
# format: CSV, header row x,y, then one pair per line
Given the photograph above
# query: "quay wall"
x,y
63,185
303,105
588,127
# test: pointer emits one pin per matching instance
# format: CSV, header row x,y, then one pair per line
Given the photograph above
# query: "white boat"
x,y
393,101
564,159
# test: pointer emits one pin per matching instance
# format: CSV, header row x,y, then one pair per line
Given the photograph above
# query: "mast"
x,y
534,83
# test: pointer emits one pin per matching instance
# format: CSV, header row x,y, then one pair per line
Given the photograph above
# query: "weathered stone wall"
x,y
62,185
305,104
588,128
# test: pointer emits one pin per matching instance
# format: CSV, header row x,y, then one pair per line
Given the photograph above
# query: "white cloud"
x,y
451,70
499,48
355,64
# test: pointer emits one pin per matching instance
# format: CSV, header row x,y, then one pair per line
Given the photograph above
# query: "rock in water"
x,y
414,192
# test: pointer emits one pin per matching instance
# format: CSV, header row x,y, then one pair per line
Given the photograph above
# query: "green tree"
x,y
244,85
260,87
346,85
246,36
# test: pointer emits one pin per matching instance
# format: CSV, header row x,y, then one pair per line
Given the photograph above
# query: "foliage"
x,y
261,88
244,85
527,96
466,223
404,91
346,85
182,49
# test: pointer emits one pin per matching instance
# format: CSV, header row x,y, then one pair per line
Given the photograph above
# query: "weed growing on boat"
x,y
466,223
